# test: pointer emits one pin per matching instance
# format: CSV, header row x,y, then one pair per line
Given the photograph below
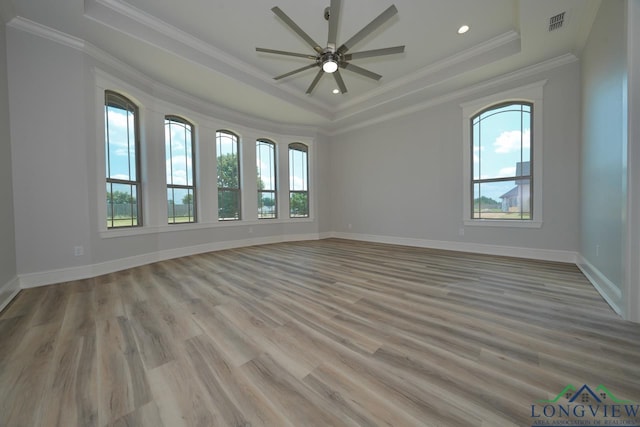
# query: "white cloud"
x,y
510,141
476,152
298,184
179,171
118,132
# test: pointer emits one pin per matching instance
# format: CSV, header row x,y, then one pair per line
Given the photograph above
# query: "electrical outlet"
x,y
460,231
78,250
349,226
597,250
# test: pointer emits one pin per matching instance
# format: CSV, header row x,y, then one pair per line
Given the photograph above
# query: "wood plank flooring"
x,y
320,333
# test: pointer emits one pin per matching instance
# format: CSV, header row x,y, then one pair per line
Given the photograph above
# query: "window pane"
x,y
501,148
120,143
298,180
502,200
266,170
477,149
265,162
501,140
228,176
179,167
298,164
180,206
122,205
298,204
178,144
121,161
267,204
228,204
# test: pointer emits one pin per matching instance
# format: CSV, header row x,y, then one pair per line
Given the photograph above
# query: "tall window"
x,y
502,162
181,188
228,175
122,148
266,165
298,180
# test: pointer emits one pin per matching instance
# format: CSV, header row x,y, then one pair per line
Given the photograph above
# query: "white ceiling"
x,y
206,48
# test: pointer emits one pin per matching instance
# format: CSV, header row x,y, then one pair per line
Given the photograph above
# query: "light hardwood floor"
x,y
321,333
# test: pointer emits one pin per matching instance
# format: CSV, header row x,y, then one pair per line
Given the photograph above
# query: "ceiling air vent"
x,y
556,21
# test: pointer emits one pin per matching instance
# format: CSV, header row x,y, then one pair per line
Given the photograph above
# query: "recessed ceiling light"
x,y
463,29
336,91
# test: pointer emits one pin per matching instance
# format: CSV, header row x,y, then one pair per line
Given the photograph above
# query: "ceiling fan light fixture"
x,y
331,59
330,65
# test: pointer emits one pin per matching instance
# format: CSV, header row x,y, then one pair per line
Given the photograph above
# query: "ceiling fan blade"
x,y
297,29
374,52
282,52
290,73
340,82
369,28
315,81
361,71
334,13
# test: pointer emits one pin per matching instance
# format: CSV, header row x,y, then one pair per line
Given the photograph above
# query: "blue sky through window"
x,y
121,147
501,140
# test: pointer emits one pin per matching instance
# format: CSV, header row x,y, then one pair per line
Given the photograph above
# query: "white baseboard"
x,y
609,291
512,251
8,291
604,286
32,280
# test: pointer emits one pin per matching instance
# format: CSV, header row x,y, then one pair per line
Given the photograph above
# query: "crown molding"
x,y
426,73
164,92
125,18
29,26
129,20
462,93
138,79
362,115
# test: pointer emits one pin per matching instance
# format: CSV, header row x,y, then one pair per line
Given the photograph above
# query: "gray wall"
x,y
49,160
403,177
7,238
604,145
56,114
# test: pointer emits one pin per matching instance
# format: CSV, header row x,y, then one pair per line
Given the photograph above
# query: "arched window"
x,y
298,180
179,141
502,162
266,166
122,148
227,149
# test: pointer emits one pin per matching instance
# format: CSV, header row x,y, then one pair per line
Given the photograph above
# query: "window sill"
x,y
513,223
139,231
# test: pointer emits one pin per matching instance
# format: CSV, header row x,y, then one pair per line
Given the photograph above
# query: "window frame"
x,y
292,146
274,166
193,218
237,189
531,94
478,181
118,100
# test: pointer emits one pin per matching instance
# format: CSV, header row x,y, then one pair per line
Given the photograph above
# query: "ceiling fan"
x,y
330,59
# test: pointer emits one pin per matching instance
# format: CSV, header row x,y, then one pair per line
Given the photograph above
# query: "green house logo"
x,y
586,395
